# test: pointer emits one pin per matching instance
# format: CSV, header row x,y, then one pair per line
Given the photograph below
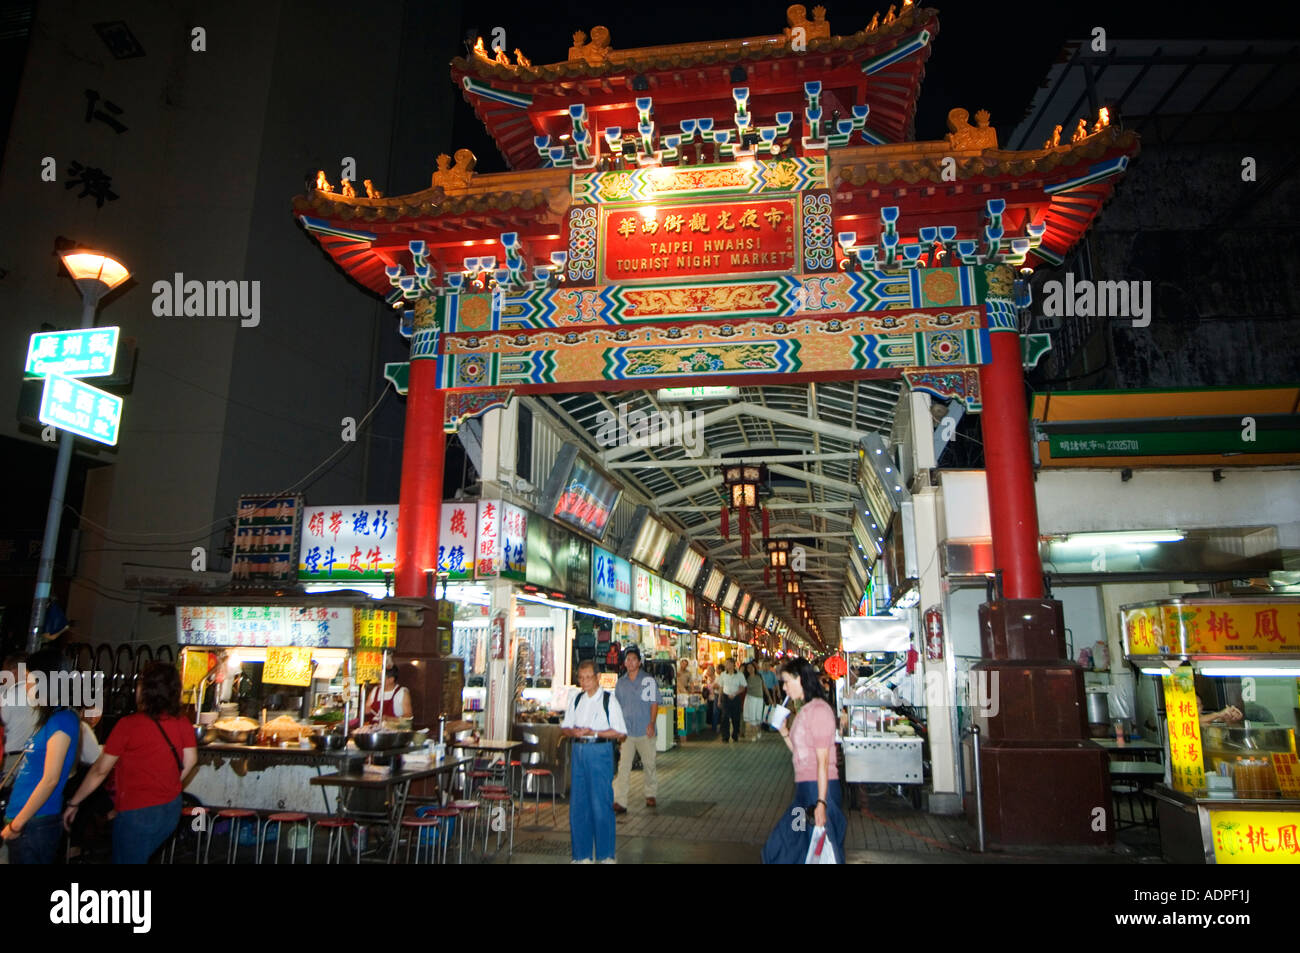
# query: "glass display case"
x,y
1228,709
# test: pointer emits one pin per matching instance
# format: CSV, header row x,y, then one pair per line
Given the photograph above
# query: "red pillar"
x,y
420,507
1009,469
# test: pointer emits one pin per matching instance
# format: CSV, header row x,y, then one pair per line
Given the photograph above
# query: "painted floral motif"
x,y
818,228
945,347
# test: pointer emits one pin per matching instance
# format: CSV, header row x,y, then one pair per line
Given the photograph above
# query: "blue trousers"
x,y
137,834
788,843
591,801
39,841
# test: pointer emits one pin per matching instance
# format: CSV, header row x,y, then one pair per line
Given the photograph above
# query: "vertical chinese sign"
x,y
374,630
1187,761
458,540
488,560
266,539
514,533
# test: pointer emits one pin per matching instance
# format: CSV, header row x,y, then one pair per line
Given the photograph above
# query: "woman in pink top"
x,y
810,736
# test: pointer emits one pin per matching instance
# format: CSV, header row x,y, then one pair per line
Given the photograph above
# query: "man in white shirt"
x,y
594,720
733,685
18,716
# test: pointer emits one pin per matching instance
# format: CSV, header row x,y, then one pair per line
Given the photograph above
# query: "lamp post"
x,y
95,275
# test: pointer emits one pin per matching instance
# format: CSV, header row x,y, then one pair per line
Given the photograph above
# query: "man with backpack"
x,y
594,720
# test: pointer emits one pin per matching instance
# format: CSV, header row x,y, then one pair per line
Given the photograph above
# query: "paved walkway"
x,y
718,802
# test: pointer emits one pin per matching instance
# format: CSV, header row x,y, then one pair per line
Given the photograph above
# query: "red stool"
x,y
537,774
417,827
479,775
498,800
279,820
467,809
450,814
340,829
236,816
188,814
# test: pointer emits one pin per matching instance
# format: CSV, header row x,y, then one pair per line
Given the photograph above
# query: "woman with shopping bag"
x,y
812,828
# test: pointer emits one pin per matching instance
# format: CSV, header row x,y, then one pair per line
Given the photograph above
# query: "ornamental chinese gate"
x,y
788,254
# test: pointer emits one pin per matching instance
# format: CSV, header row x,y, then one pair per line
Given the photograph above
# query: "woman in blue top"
x,y
32,824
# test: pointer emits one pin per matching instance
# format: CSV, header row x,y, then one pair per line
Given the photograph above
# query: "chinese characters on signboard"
x,y
611,580
80,409
374,631
1187,763
457,540
86,352
680,241
514,533
266,538
287,665
352,543
647,592
264,626
488,562
1214,628
1255,837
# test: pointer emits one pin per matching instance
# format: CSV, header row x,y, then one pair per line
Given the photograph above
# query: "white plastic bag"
x,y
820,850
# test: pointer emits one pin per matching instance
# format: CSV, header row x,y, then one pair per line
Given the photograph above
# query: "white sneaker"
x,y
608,860
587,860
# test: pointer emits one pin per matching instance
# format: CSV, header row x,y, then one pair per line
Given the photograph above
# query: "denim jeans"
x,y
39,841
790,839
591,800
137,834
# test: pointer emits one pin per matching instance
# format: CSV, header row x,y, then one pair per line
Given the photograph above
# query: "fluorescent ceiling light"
x,y
1121,538
1157,670
1280,667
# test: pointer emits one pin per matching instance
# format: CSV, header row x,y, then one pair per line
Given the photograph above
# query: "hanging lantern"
x,y
741,482
778,554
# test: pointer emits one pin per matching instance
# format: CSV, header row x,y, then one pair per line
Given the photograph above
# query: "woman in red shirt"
x,y
810,736
156,749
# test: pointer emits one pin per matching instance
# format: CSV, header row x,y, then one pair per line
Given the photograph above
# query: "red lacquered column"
x,y
1009,469
423,450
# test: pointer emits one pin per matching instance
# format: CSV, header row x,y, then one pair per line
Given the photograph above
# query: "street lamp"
x,y
95,275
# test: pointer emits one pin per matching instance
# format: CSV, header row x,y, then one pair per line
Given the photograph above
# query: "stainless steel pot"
x,y
381,740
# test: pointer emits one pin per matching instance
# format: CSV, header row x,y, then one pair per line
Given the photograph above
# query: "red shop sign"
x,y
700,239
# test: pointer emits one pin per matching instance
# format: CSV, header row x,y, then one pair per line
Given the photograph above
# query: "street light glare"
x,y
92,265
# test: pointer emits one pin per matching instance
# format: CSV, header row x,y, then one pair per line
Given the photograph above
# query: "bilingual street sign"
x,y
85,352
80,409
697,393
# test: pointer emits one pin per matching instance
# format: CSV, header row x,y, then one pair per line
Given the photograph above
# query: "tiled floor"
x,y
718,802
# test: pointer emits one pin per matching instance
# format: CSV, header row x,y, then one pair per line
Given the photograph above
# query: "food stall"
x,y
271,681
1228,712
880,746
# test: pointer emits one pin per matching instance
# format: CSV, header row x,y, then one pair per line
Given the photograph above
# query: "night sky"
x,y
986,56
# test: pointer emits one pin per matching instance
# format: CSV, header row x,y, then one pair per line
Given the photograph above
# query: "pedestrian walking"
x,y
152,751
594,721
732,687
769,689
638,698
810,736
754,700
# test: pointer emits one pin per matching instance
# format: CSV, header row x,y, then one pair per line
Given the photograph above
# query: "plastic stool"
x,y
279,820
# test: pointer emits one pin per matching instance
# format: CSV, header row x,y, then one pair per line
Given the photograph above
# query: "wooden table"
x,y
397,785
